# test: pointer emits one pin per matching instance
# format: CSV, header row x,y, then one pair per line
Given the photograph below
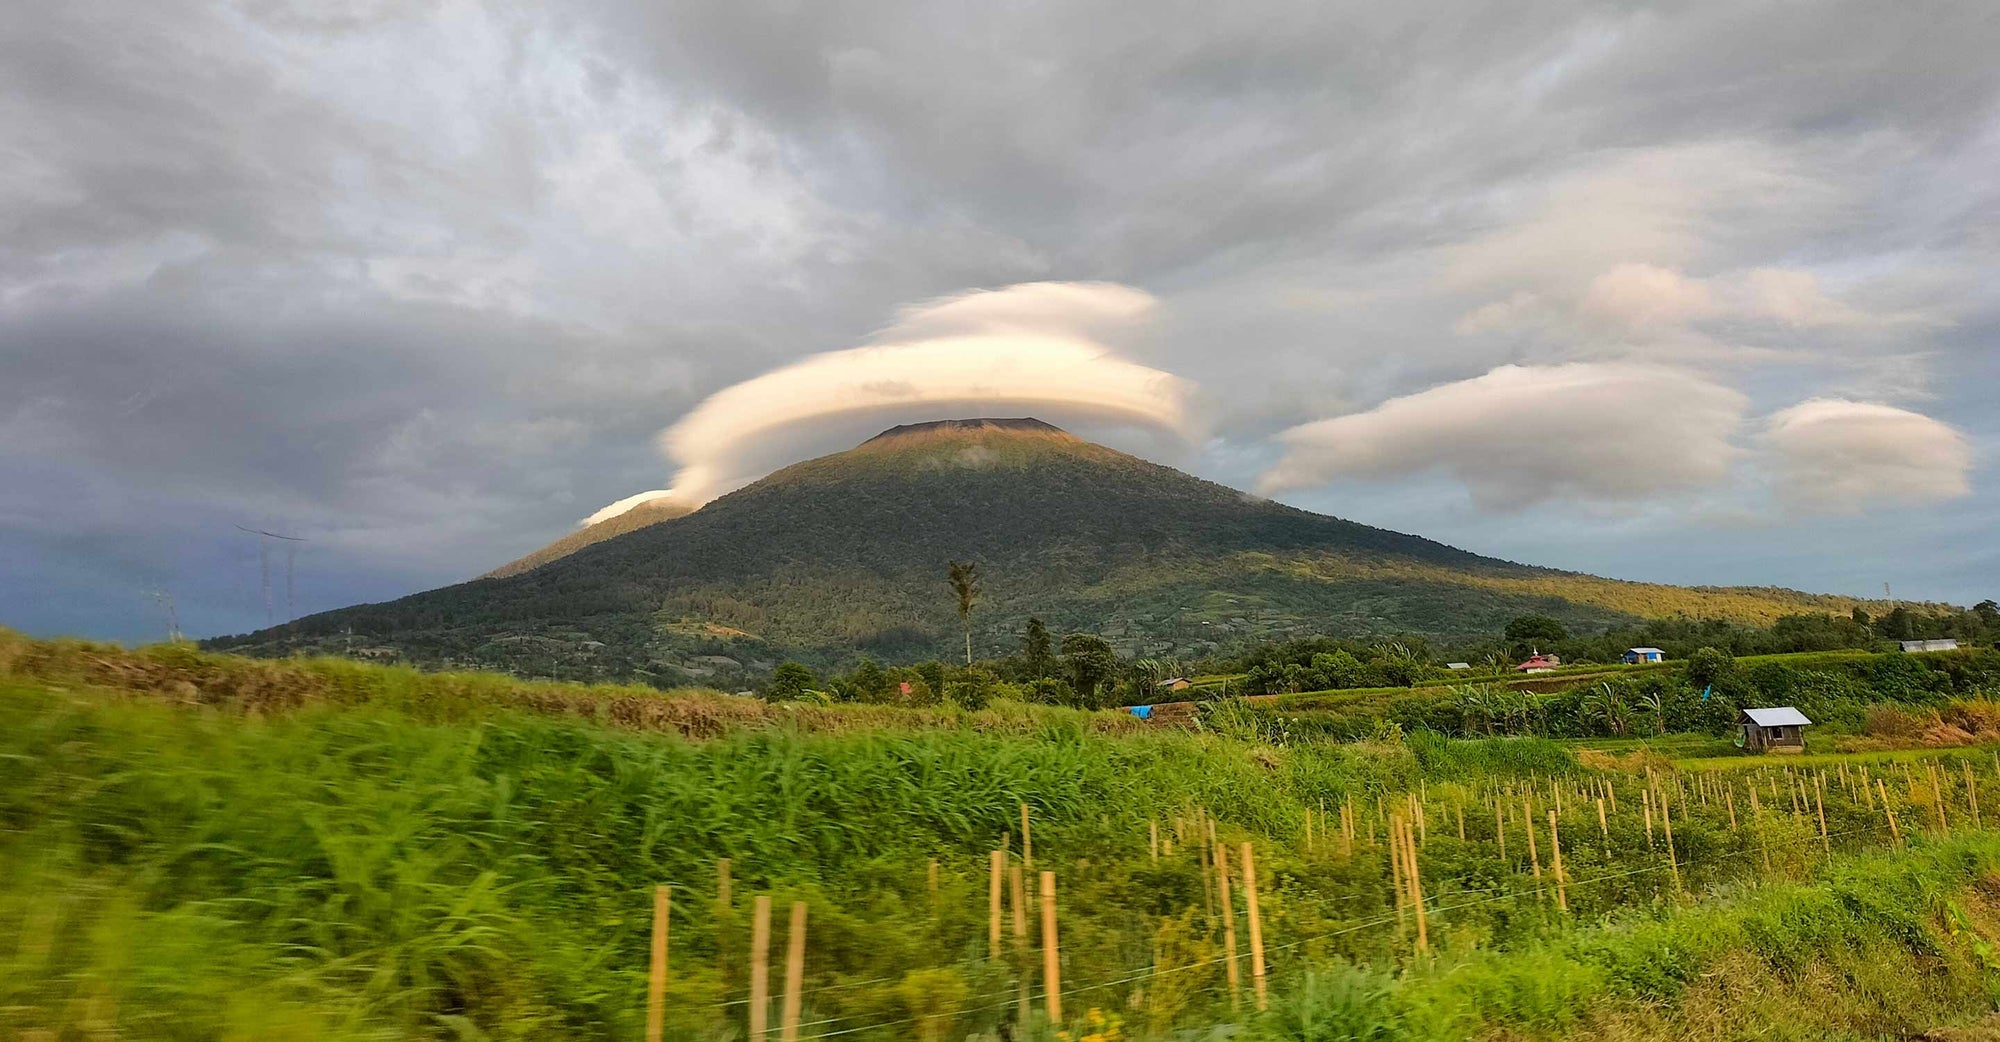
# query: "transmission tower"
x,y
265,542
166,603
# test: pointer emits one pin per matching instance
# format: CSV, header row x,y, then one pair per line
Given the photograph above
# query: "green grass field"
x,y
203,847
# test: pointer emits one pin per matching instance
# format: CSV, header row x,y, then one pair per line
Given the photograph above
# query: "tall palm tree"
x,y
964,580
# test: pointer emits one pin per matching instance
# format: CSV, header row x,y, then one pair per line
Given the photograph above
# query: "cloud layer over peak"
x,y
1029,348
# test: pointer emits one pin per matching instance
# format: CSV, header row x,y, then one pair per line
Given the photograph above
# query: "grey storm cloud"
x,y
420,281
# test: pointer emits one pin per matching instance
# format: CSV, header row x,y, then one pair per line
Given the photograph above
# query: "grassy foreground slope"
x,y
198,846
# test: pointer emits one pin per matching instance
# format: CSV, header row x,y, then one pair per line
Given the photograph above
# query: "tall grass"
x,y
377,854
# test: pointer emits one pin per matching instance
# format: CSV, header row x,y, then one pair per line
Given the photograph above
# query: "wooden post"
x,y
795,974
1153,831
1228,926
1257,924
1729,797
1649,818
1459,811
1500,829
656,983
760,968
996,873
1895,833
1027,843
1556,865
1604,826
1051,955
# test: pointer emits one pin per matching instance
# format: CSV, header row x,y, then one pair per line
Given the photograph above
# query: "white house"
x,y
1634,656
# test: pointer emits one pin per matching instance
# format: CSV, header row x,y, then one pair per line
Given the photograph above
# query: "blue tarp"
x,y
1142,712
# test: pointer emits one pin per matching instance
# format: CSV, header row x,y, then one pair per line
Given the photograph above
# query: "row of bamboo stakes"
x,y
1406,833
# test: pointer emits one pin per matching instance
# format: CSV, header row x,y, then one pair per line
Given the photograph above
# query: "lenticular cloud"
x,y
1032,348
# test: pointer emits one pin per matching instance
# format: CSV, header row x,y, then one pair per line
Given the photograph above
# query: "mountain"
x,y
649,513
846,555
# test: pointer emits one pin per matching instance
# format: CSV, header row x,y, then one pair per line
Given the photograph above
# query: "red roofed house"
x,y
1539,663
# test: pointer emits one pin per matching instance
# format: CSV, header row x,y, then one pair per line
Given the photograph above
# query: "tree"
x,y
1708,665
964,579
1899,624
1089,662
1528,633
790,681
869,682
1037,649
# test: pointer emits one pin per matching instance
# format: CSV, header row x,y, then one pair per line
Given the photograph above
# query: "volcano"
x,y
846,555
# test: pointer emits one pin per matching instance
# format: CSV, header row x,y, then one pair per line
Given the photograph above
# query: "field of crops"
x,y
199,847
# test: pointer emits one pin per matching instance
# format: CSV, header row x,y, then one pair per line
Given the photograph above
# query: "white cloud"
x,y
1518,435
1644,295
1027,348
1839,456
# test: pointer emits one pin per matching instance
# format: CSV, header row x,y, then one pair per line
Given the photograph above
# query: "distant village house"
x,y
1634,656
1941,644
1780,729
1174,684
1539,663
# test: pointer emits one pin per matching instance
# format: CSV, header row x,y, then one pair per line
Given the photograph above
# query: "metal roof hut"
x,y
1780,729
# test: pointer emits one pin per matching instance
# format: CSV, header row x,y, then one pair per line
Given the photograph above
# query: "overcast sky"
x,y
1699,294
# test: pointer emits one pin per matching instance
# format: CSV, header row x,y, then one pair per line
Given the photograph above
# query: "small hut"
x,y
1780,729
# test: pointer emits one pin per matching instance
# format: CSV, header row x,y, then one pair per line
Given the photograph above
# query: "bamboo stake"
x,y
1228,926
1528,823
1417,896
1460,813
1153,832
1971,792
1819,802
996,873
1937,791
1027,842
760,968
1729,798
1019,890
1673,862
795,974
1556,865
1649,819
1396,880
1500,829
1604,826
1895,833
1207,856
1051,956
656,982
1257,924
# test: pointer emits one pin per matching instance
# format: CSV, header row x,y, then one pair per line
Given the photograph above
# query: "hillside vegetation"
x,y
200,846
845,555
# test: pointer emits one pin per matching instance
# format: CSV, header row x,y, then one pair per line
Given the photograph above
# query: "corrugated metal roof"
x,y
1647,651
1777,716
